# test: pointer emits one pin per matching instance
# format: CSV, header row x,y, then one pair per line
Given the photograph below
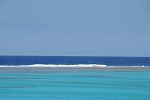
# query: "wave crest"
x,y
70,66
55,66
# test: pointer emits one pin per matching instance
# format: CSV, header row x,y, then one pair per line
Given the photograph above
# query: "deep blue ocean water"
x,y
72,60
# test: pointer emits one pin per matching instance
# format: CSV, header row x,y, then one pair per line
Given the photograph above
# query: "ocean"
x,y
37,78
74,60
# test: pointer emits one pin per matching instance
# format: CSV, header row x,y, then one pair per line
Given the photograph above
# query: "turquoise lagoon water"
x,y
75,86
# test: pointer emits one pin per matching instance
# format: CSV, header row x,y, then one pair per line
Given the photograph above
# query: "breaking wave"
x,y
55,66
68,66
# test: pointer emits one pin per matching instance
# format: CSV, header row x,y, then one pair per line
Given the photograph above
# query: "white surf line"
x,y
57,66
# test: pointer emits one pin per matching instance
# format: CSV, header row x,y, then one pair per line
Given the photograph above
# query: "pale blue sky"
x,y
75,27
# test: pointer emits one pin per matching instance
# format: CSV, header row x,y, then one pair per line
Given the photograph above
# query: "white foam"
x,y
56,66
70,66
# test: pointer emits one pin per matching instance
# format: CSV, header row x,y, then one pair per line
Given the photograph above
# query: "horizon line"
x,y
74,56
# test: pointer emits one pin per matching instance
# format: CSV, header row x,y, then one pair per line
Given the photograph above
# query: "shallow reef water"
x,y
79,85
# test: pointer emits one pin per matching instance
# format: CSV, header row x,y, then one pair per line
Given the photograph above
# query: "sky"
x,y
75,27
